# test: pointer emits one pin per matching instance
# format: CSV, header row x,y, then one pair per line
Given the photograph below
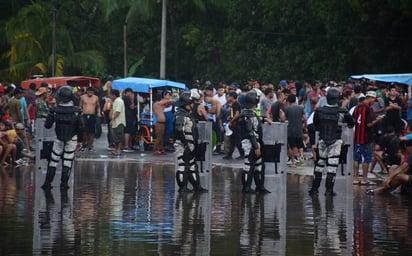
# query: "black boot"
x,y
247,182
330,182
65,177
49,197
317,179
51,171
181,180
64,198
194,179
260,181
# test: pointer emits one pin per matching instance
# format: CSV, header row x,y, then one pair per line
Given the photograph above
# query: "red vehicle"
x,y
82,81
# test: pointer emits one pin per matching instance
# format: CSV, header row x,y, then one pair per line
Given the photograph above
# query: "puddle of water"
x,y
119,208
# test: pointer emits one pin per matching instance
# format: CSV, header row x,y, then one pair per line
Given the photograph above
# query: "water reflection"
x,y
16,210
189,237
54,229
119,208
329,228
381,223
256,235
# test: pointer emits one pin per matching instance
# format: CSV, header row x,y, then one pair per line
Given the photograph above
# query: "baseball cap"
x,y
283,83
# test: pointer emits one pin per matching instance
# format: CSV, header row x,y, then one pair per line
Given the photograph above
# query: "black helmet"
x,y
333,96
251,99
65,94
184,99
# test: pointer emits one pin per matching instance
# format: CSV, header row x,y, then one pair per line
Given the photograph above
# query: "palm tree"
x,y
29,35
144,9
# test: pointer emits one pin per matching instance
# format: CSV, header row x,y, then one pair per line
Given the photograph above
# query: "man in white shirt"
x,y
220,95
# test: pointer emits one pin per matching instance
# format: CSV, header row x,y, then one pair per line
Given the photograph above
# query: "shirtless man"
x,y
158,110
89,103
213,108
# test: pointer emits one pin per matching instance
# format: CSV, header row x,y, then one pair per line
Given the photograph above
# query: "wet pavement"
x,y
129,205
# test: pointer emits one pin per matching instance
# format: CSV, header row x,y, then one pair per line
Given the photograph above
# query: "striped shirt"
x,y
363,115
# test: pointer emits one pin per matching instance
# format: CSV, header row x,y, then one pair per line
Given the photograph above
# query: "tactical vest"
x,y
327,125
68,121
185,127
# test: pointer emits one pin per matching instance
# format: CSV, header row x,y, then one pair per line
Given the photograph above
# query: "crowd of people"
x,y
382,114
17,113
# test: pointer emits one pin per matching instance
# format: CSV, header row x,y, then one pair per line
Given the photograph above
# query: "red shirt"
x,y
363,115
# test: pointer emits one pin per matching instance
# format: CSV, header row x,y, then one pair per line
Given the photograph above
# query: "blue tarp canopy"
x,y
388,78
143,85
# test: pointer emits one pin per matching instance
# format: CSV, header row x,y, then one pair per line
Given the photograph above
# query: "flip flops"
x,y
367,183
356,182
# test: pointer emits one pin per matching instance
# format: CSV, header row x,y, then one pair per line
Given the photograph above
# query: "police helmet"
x,y
65,94
184,99
251,99
333,96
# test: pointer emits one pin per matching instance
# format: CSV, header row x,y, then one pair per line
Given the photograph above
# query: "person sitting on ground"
x,y
19,133
387,151
8,148
398,175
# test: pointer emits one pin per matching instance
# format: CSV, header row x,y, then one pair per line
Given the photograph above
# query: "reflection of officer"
x,y
189,230
327,121
186,134
251,135
56,225
68,124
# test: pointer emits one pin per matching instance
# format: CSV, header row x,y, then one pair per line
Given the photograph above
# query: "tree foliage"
x,y
210,39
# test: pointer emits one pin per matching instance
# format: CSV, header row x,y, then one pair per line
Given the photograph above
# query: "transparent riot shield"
x,y
204,152
275,158
347,154
44,144
275,150
53,206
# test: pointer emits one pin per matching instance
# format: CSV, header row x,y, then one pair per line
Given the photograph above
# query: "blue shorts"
x,y
362,152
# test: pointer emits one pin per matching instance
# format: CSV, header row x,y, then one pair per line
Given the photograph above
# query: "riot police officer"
x,y
251,136
68,124
327,121
186,136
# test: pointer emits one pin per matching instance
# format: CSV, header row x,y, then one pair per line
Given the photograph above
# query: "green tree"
x,y
29,35
149,12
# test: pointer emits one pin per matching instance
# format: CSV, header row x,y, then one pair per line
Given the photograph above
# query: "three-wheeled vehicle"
x,y
145,86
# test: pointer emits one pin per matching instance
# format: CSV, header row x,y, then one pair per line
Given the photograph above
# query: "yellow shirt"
x,y
11,135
